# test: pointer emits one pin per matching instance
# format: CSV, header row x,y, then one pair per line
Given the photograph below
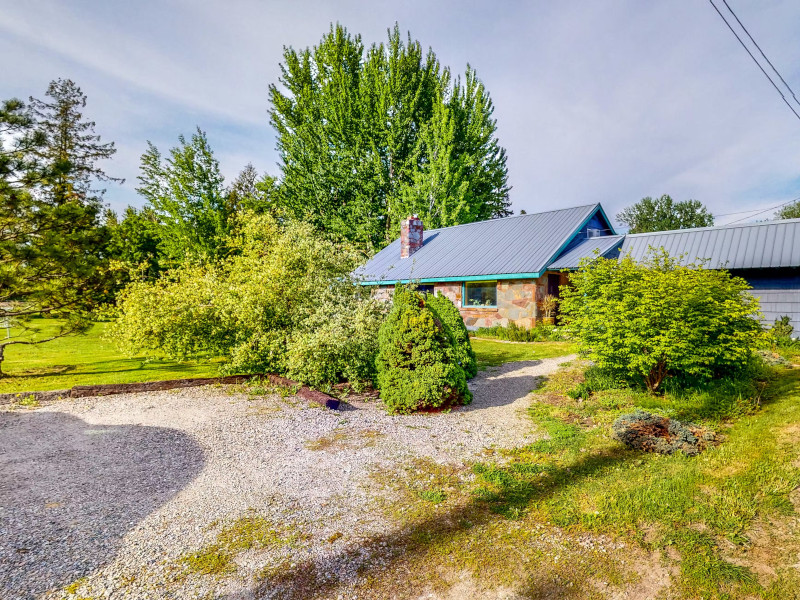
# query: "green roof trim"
x,y
459,278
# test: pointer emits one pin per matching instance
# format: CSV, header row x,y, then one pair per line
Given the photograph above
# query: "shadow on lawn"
x,y
383,557
70,490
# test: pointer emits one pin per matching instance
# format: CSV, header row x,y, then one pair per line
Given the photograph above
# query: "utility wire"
x,y
758,64
765,210
755,43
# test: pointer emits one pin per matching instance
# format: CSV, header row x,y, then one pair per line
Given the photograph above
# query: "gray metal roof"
x,y
750,246
590,248
512,245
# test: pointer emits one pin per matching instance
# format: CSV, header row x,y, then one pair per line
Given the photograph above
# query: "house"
x,y
497,271
766,255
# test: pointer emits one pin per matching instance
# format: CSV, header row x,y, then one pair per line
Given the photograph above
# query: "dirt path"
x,y
118,489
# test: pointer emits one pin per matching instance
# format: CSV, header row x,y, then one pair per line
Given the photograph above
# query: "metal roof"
x,y
749,246
589,248
521,245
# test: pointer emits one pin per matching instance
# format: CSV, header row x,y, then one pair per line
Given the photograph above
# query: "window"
x,y
425,289
480,294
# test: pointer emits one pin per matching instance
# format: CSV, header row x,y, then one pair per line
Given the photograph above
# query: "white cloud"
x,y
607,101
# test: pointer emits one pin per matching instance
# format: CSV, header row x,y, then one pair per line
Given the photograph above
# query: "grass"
x,y
249,532
87,360
577,514
492,354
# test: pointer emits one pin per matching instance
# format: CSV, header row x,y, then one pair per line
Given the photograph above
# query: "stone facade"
x,y
517,301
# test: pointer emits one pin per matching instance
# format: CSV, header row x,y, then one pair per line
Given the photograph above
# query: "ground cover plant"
x,y
660,319
90,359
419,362
516,333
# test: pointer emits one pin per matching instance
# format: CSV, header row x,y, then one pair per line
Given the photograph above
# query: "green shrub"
x,y
416,364
447,313
516,333
282,302
658,319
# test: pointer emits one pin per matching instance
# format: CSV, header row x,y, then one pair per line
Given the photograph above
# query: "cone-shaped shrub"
x,y
447,313
416,364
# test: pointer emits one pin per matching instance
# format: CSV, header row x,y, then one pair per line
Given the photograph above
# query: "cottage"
x,y
498,271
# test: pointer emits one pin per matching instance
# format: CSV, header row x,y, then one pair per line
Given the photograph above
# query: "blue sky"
x,y
595,101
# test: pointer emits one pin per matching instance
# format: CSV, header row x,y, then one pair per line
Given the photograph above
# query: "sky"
x,y
596,101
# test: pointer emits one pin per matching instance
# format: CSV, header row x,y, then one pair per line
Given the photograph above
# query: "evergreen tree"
x,y
71,148
186,193
367,135
52,245
663,214
248,192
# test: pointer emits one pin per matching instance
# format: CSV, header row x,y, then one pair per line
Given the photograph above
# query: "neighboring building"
x,y
766,255
498,271
495,271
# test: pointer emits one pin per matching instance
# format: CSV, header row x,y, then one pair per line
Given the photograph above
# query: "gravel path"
x,y
117,489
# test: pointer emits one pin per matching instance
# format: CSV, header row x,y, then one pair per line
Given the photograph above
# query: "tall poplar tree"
x,y
368,135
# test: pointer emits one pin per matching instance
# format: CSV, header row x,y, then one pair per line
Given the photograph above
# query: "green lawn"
x,y
90,359
493,354
87,360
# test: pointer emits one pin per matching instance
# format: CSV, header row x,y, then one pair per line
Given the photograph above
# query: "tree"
x,y
135,242
71,149
660,319
791,211
185,191
52,258
248,192
368,135
663,214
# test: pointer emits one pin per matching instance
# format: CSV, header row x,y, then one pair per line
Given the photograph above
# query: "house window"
x,y
425,289
480,294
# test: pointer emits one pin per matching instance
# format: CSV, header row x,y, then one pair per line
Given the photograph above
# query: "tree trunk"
x,y
2,353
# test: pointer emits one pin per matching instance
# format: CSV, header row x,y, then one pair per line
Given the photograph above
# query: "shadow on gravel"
x,y
386,561
69,491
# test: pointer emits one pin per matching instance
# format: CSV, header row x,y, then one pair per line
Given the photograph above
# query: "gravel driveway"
x,y
117,489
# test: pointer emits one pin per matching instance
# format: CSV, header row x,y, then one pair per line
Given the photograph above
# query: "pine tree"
x,y
52,245
72,149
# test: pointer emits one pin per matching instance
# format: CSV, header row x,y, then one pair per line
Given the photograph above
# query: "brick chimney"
x,y
410,236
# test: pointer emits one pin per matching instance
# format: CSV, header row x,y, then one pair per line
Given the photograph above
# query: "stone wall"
x,y
517,302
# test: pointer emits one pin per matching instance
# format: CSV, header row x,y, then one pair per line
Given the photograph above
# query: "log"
x,y
85,391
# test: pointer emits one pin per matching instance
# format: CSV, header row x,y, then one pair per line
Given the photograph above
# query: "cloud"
x,y
595,101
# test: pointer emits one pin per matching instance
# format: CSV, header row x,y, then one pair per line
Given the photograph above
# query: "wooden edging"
x,y
84,391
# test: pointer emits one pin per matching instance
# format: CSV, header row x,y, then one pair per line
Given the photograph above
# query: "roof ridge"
x,y
713,227
544,212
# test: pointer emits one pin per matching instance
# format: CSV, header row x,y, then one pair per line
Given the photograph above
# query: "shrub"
x,y
515,333
659,319
448,315
645,431
416,364
283,303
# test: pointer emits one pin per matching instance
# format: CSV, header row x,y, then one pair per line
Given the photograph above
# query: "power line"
x,y
758,64
765,210
769,62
